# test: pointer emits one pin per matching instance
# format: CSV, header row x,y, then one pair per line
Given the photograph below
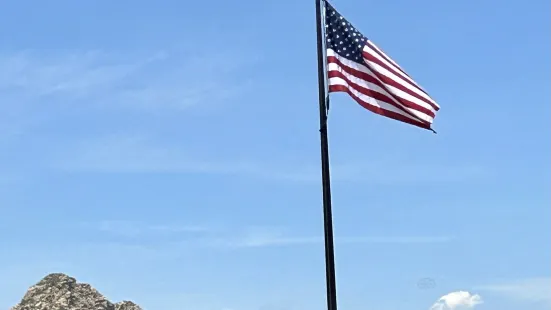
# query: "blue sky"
x,y
167,152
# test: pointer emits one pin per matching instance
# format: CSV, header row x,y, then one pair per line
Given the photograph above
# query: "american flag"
x,y
356,66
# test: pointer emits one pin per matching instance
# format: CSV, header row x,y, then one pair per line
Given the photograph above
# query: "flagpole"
x,y
327,212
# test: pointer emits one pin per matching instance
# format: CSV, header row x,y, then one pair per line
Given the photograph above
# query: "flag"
x,y
355,65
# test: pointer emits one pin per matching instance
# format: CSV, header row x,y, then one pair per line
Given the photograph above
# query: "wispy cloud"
x,y
131,154
158,79
246,237
392,171
36,85
136,154
533,290
266,237
78,73
263,241
457,300
136,229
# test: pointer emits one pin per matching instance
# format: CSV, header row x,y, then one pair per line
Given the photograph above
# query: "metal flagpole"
x,y
327,213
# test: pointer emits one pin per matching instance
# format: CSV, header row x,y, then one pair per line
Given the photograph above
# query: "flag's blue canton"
x,y
341,36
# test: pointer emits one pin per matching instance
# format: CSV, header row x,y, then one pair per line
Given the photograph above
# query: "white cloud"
x,y
534,290
457,301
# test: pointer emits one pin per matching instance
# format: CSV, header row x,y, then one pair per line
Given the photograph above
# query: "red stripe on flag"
x,y
381,53
369,78
377,110
390,81
369,92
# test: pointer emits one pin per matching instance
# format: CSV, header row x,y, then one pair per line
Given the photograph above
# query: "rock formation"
x,y
61,292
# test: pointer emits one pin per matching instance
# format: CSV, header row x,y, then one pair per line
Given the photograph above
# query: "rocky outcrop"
x,y
58,291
